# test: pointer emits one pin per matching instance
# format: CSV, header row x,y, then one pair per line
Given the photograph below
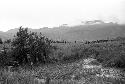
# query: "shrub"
x,y
30,47
5,58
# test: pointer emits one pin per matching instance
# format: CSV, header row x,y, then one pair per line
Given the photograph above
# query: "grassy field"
x,y
79,72
107,53
77,63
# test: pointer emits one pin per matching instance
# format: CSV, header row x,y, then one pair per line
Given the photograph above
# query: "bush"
x,y
31,47
5,58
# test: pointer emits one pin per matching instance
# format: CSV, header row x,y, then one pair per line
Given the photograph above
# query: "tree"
x,y
31,46
19,43
39,47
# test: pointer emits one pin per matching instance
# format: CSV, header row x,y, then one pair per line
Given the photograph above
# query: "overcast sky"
x,y
49,13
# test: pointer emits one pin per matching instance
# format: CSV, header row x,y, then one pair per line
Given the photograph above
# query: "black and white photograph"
x,y
62,41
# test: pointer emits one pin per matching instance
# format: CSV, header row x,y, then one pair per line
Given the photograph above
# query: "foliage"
x,y
7,41
30,47
1,41
71,73
109,54
5,56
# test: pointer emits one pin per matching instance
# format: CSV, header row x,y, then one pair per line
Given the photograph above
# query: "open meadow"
x,y
77,64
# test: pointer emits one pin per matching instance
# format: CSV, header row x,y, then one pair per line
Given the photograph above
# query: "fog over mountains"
x,y
76,33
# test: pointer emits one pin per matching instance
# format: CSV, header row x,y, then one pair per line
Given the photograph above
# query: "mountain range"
x,y
76,33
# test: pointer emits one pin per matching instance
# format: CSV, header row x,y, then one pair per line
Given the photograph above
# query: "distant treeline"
x,y
88,42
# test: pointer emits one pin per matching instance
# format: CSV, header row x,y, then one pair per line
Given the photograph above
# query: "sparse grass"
x,y
71,73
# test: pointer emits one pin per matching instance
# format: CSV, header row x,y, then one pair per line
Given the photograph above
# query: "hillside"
x,y
79,32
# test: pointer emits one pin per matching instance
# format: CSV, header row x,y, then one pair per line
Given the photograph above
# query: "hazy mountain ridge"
x,y
79,33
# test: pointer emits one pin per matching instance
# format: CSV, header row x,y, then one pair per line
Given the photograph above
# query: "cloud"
x,y
39,13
